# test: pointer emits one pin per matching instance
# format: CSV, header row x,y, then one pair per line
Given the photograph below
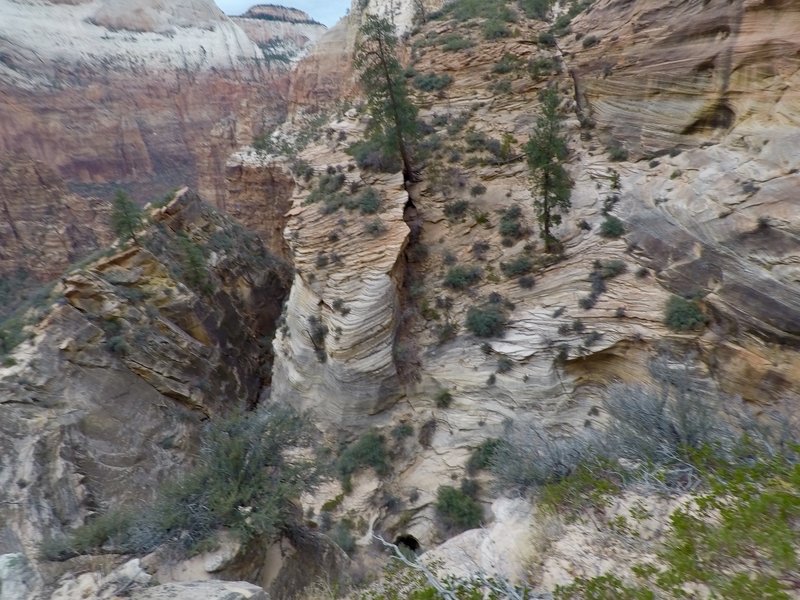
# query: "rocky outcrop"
x,y
341,317
104,402
326,75
260,191
283,34
711,219
208,590
44,228
148,95
681,73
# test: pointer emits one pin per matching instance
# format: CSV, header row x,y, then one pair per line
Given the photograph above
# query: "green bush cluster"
x,y
460,277
367,451
482,456
511,223
431,82
683,315
612,227
456,210
516,267
458,509
488,320
375,155
245,480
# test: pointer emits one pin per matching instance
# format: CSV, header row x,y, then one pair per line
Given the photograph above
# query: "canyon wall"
x,y
145,95
104,400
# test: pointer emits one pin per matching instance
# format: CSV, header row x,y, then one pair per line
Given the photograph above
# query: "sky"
x,y
324,11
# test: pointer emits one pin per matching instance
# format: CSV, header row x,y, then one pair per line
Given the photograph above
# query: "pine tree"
x,y
126,217
546,151
394,116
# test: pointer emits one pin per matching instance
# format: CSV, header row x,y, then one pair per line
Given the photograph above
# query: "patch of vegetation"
x,y
443,399
482,456
511,223
244,481
460,277
612,227
372,155
488,320
457,509
536,9
369,451
455,42
375,228
432,82
590,41
683,315
507,63
456,210
617,152
521,265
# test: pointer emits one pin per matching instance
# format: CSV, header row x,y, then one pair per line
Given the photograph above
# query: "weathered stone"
x,y
204,590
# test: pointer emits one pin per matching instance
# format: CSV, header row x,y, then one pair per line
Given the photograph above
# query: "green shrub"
x,y
511,223
457,210
461,277
243,464
617,153
683,315
521,265
431,82
536,9
541,67
193,268
342,536
457,510
494,29
367,451
488,320
481,457
375,228
477,190
547,39
369,202
372,154
589,41
455,42
443,399
612,227
506,64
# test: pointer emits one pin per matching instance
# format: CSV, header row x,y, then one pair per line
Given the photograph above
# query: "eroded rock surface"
x,y
151,95
105,401
713,218
44,228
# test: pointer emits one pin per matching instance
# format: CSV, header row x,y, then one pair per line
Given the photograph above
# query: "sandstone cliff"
x,y
283,34
104,400
701,95
145,94
44,227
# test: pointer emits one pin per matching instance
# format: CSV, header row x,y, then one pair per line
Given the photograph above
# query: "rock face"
x,y
104,401
208,590
283,34
147,94
341,317
260,191
44,227
326,74
714,218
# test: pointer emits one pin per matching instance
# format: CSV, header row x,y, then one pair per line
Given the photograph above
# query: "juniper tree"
x,y
394,116
126,217
546,151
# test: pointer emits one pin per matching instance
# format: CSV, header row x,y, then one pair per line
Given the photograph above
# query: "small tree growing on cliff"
x,y
126,217
394,116
546,151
